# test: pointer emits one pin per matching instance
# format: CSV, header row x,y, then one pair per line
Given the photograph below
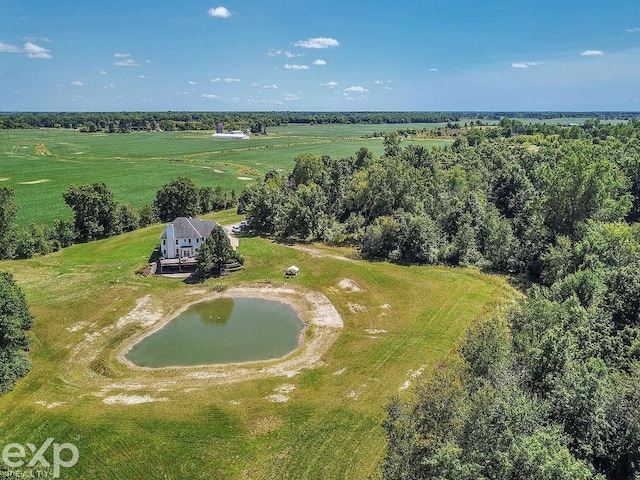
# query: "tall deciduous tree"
x,y
178,198
8,212
95,210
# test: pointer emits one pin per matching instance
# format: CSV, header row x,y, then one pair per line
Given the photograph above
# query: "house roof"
x,y
191,227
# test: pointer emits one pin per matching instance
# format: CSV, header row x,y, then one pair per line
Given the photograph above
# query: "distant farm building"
x,y
232,135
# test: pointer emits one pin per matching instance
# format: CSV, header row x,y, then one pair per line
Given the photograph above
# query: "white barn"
x,y
184,236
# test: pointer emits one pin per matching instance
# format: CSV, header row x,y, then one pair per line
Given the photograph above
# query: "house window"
x,y
164,242
189,240
176,241
164,253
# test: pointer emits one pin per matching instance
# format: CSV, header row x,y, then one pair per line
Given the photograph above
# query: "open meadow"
x,y
320,421
40,164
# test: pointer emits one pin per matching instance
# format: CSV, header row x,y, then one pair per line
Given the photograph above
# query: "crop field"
x,y
320,421
41,164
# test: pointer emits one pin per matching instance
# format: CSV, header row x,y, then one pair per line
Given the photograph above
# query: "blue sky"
x,y
324,55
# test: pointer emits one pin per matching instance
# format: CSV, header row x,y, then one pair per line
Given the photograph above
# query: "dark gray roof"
x,y
191,227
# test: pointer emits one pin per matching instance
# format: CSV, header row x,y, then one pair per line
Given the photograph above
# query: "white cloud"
x,y
111,85
32,50
29,50
632,30
6,48
592,53
192,83
331,84
37,39
434,70
319,62
219,12
129,62
525,64
78,83
121,55
274,86
283,53
356,88
217,79
318,42
289,66
103,72
290,97
231,80
208,95
183,93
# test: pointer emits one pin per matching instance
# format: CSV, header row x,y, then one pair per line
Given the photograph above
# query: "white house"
x,y
184,236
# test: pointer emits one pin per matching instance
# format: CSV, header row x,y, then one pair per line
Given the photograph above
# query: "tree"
x,y
129,218
214,253
95,211
15,320
147,217
583,184
178,198
8,212
308,169
304,215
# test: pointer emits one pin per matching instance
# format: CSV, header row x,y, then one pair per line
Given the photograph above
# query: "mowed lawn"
x,y
403,320
135,165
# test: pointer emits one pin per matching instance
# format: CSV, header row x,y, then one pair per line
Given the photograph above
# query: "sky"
x,y
328,55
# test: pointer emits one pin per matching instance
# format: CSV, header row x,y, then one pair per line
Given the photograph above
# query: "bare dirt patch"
x,y
123,399
349,285
35,182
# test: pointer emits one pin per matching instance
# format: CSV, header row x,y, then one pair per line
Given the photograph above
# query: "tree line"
x,y
97,214
257,122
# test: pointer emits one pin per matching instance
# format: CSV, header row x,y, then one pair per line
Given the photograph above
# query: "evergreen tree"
x,y
15,320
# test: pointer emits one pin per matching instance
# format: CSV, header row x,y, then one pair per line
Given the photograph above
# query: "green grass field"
x,y
403,320
134,166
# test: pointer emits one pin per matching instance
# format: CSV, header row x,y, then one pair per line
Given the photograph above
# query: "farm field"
x,y
320,422
41,164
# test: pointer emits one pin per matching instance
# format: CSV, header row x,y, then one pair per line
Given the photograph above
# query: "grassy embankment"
x,y
404,319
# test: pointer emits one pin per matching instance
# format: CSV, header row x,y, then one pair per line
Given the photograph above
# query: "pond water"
x,y
225,330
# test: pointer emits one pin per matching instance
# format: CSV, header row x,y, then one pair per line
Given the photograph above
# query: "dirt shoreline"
x,y
313,308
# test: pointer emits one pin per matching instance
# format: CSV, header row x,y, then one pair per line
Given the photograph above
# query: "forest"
x,y
547,389
257,122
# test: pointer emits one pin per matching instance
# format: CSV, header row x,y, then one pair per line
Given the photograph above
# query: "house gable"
x,y
185,233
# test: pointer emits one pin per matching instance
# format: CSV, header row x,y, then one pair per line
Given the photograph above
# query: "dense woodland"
x,y
545,390
550,389
257,122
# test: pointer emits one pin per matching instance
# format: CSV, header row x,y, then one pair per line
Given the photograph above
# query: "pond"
x,y
225,330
